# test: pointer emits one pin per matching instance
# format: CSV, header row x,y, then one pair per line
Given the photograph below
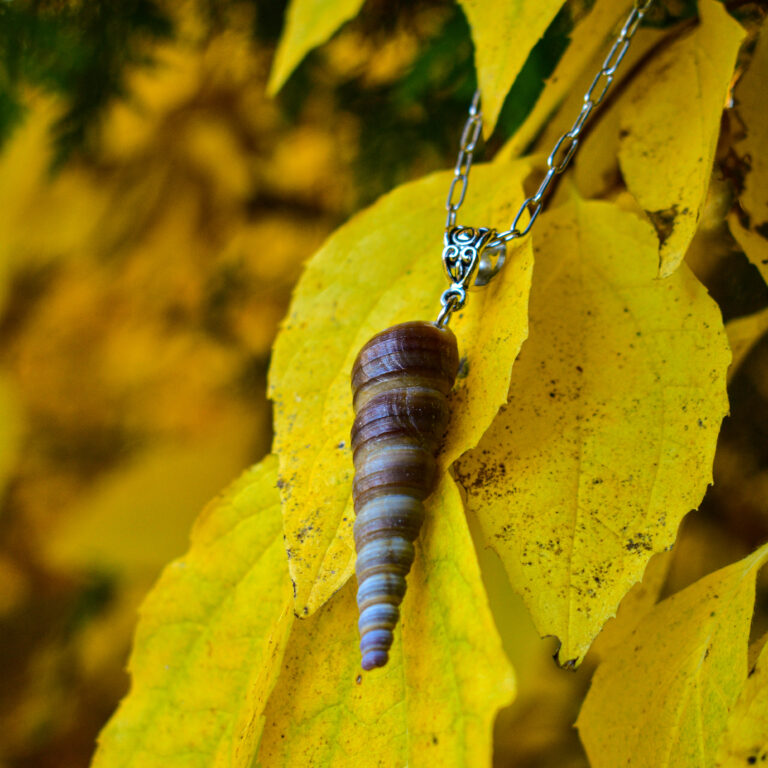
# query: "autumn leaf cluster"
x,y
596,370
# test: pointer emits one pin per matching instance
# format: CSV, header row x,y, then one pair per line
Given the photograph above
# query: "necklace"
x,y
402,377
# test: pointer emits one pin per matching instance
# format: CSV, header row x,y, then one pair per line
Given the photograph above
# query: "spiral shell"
x,y
400,380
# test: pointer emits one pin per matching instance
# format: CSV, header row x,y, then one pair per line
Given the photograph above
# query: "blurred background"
x,y
155,210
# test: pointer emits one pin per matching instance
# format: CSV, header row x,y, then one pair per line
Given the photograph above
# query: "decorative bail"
x,y
472,257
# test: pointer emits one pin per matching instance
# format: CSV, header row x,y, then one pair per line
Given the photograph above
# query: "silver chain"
x,y
557,162
469,138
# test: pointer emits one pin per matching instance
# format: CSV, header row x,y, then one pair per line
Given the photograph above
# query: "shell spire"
x,y
400,381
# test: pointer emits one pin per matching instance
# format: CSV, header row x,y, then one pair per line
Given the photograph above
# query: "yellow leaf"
x,y
635,605
751,97
504,33
589,39
743,334
595,169
664,696
382,268
210,640
746,738
608,437
756,647
670,127
435,701
537,729
309,23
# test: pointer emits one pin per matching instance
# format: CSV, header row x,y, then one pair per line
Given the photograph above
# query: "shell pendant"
x,y
400,382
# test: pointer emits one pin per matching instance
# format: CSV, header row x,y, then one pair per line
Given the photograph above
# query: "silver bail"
x,y
471,256
492,259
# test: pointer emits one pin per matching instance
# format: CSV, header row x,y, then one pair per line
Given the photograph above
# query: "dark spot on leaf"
x,y
303,532
463,371
434,739
486,474
359,679
664,222
640,541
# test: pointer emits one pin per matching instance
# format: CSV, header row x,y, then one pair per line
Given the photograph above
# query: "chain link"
x,y
564,148
469,138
